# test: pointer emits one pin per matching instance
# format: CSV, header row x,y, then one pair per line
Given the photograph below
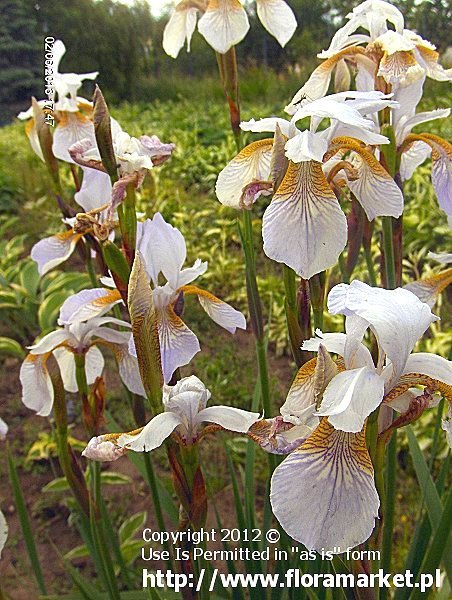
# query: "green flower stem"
x,y
139,413
372,435
97,532
227,67
190,489
128,223
88,408
436,432
255,308
389,161
90,266
317,295
25,524
385,480
70,468
370,266
388,523
388,253
291,307
97,526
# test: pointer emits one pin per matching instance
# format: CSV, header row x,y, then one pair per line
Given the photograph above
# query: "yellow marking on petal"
x,y
305,371
29,126
258,146
113,437
411,379
83,108
224,4
435,142
171,317
64,118
31,358
348,143
436,283
111,296
64,236
303,177
429,54
397,64
335,444
440,281
329,63
193,289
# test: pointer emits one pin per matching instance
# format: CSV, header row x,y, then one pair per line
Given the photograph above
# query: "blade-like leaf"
x,y
60,484
113,478
437,547
25,523
432,499
131,526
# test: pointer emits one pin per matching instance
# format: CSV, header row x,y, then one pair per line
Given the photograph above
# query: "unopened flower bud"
x,y
102,450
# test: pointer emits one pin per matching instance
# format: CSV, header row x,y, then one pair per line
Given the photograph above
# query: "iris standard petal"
x,y
350,397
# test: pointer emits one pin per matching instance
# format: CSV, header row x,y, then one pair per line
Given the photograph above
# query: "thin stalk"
x,y
436,432
88,408
112,536
388,254
140,417
389,506
97,532
367,247
190,488
227,67
389,161
291,306
370,266
101,551
129,223
372,435
255,308
317,295
90,266
68,463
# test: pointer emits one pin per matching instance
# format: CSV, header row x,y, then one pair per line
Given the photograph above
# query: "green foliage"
x,y
29,304
46,447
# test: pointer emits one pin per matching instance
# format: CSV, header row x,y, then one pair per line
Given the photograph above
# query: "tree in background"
x,y
21,49
124,43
